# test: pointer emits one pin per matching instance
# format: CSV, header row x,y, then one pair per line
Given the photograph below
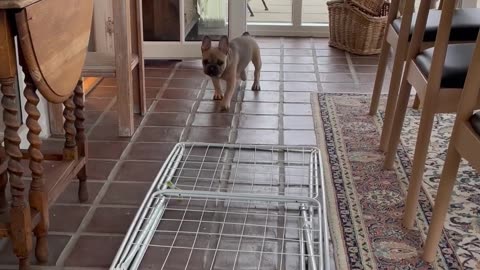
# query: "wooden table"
x,y
53,38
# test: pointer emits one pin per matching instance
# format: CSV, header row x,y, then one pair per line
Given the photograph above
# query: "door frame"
x,y
191,49
293,29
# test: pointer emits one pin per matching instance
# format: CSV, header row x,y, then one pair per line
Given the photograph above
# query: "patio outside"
x,y
280,11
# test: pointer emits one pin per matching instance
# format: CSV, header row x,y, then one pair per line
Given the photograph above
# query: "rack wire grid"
x,y
221,206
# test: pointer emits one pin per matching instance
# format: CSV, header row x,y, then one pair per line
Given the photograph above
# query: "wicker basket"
x,y
373,7
354,30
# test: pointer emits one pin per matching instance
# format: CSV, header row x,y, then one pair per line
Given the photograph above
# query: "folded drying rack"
x,y
225,206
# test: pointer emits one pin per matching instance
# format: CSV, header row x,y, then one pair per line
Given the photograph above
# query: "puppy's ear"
x,y
206,43
223,44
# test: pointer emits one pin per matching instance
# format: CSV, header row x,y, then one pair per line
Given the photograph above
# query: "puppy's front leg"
x,y
231,84
218,89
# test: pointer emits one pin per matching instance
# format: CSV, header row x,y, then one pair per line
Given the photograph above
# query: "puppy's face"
x,y
214,59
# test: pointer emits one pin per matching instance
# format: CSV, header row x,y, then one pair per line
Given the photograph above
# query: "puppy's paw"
x,y
256,86
217,96
225,107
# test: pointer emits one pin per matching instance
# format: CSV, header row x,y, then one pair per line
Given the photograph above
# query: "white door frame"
x,y
294,29
191,49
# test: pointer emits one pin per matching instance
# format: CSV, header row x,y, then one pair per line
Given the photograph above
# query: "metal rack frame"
x,y
310,206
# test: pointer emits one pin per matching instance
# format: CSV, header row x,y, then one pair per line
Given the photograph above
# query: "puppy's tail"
x,y
246,34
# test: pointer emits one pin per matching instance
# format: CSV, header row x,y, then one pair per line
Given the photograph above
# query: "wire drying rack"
x,y
222,206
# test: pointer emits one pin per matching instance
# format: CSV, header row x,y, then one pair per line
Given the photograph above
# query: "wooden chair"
x,y
438,76
464,142
126,65
398,36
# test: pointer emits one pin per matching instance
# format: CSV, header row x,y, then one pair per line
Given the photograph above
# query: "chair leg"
x,y
442,201
418,167
265,5
379,78
400,112
416,103
250,10
397,74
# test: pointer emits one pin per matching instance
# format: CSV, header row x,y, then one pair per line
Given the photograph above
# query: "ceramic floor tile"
x,y
111,220
298,68
297,109
289,76
300,77
185,83
208,135
258,121
56,244
298,97
301,86
157,72
261,96
149,151
94,251
138,171
213,120
298,122
299,137
70,194
172,93
106,150
99,169
174,106
166,119
66,218
126,193
159,134
259,108
249,136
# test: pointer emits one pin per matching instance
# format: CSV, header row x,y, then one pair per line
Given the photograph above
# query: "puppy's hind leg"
x,y
257,63
243,75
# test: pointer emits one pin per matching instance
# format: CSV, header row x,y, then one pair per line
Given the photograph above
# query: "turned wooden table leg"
x,y
37,196
70,148
3,189
20,225
81,139
3,182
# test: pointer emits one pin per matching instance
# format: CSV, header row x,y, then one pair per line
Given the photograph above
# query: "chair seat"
x,y
465,25
475,121
456,65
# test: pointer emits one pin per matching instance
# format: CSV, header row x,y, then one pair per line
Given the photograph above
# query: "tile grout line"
x,y
281,87
233,134
315,69
67,250
193,111
101,117
352,70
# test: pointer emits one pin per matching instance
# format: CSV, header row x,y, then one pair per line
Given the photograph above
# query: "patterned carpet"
x,y
366,220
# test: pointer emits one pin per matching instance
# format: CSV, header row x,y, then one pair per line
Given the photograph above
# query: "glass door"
x,y
173,29
288,17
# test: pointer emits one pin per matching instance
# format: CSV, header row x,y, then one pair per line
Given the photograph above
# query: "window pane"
x,y
205,17
279,11
314,11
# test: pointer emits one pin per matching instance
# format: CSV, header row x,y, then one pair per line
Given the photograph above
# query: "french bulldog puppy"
x,y
228,62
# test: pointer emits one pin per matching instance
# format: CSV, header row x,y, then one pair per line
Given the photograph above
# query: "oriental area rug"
x,y
366,202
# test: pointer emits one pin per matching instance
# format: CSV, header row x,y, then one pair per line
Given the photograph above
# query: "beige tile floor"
x,y
87,236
